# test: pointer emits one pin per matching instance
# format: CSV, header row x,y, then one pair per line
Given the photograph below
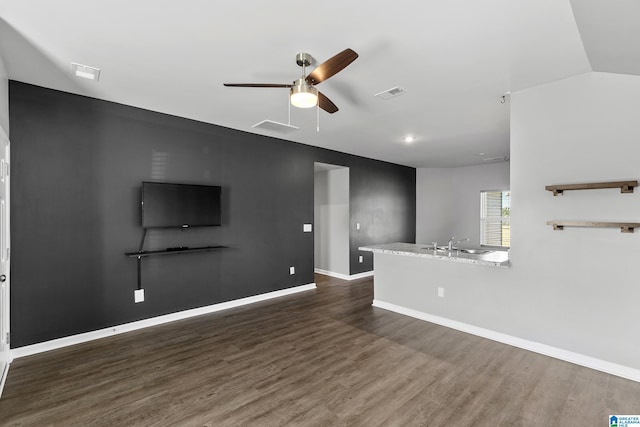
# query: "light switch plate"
x,y
307,228
292,270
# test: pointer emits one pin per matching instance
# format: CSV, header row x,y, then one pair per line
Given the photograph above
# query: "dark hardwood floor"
x,y
317,358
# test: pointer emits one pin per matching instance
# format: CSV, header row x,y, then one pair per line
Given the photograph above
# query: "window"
x,y
495,213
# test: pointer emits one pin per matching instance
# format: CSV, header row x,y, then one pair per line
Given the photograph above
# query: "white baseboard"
x,y
3,375
344,276
154,321
557,353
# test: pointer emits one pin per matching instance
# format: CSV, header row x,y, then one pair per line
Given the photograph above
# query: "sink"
x,y
438,249
475,251
455,250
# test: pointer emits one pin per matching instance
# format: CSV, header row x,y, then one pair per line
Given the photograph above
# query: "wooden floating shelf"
x,y
625,227
624,186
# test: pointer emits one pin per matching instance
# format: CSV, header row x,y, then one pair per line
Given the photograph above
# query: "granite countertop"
x,y
496,258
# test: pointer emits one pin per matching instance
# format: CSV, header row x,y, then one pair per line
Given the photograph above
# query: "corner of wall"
x,y
4,98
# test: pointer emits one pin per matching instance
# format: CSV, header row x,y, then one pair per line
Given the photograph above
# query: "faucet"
x,y
435,245
451,243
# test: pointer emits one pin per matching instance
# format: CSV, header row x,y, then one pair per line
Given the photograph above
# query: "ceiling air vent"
x,y
85,71
390,93
275,126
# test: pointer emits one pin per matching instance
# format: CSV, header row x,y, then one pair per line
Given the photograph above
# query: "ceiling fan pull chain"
x,y
318,117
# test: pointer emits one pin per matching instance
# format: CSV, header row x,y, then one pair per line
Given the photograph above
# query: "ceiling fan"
x,y
303,94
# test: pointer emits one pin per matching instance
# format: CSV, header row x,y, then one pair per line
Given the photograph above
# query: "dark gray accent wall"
x,y
77,167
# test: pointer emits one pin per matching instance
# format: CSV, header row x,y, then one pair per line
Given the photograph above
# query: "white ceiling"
x,y
454,58
610,31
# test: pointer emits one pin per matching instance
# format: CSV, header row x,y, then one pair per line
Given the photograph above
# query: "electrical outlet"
x,y
357,226
292,270
138,295
307,228
441,292
360,259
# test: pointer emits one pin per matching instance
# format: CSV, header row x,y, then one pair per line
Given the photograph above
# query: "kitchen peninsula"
x,y
457,289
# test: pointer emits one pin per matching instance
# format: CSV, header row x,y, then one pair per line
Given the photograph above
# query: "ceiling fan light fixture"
x,y
302,92
303,95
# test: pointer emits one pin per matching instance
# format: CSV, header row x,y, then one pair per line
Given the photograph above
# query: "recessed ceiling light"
x,y
85,71
409,139
480,154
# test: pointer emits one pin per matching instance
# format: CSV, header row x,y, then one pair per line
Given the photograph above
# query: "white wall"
x,y
4,98
448,201
331,219
434,205
576,290
579,288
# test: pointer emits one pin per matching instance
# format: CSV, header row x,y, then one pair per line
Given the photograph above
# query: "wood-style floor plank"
x,y
319,358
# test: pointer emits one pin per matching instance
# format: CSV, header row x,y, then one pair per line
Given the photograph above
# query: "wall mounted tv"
x,y
166,205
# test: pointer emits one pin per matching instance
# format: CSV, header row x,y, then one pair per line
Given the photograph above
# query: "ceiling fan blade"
x,y
326,104
331,66
256,85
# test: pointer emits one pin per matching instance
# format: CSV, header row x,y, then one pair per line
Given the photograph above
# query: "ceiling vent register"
x,y
390,93
275,127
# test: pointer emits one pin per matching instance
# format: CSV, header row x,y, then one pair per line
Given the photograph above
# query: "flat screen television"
x,y
166,205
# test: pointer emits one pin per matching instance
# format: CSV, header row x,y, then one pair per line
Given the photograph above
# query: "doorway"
x,y
331,219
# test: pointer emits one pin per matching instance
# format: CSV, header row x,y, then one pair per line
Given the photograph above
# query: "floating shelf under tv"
x,y
170,251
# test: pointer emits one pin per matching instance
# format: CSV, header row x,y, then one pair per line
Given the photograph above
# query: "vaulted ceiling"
x,y
454,59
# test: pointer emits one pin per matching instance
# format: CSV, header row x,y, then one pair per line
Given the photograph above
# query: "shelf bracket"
x,y
626,188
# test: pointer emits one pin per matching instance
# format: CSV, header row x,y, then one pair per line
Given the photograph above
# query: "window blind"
x,y
495,212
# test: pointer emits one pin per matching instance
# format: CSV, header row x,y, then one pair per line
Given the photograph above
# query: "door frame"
x,y
5,262
331,225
